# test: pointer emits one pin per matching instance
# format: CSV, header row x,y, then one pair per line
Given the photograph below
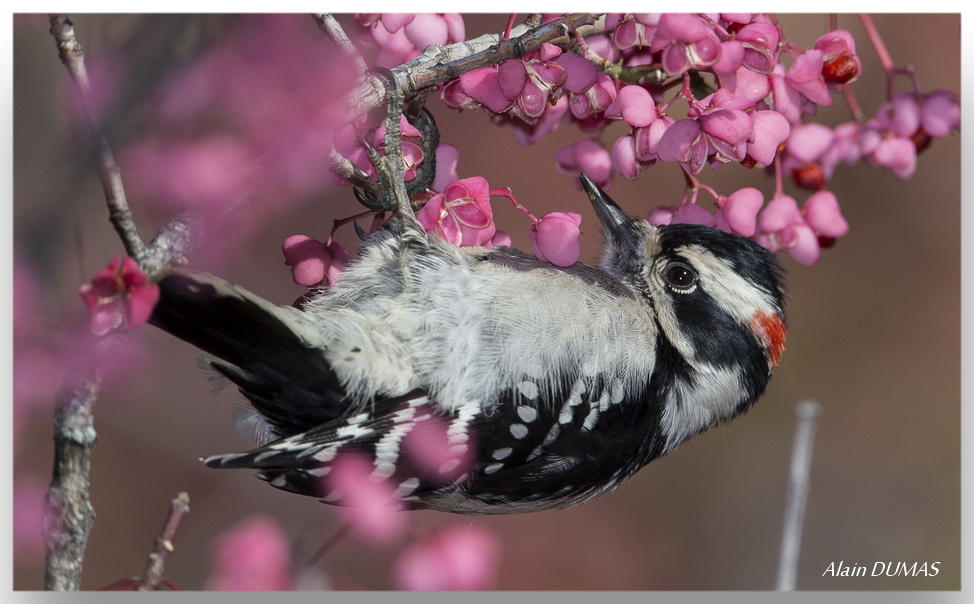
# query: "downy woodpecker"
x,y
558,383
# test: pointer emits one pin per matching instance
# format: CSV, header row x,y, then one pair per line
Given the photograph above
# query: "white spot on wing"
x,y
326,455
407,486
528,389
527,414
519,431
502,453
591,418
493,468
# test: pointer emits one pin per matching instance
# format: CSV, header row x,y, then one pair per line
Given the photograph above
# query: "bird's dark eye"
x,y
680,275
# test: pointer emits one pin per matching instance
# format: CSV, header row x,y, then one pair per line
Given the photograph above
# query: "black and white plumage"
x,y
558,383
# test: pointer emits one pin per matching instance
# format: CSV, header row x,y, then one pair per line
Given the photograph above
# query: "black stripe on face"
x,y
747,258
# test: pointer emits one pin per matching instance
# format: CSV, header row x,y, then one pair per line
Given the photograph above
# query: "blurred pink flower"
x,y
368,502
313,262
211,171
554,238
461,214
439,455
458,557
940,113
251,556
120,295
28,513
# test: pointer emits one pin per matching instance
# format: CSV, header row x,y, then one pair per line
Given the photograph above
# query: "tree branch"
x,y
329,25
797,497
68,512
119,213
440,64
156,564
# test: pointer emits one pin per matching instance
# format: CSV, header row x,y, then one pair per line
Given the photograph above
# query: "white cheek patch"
x,y
737,296
692,408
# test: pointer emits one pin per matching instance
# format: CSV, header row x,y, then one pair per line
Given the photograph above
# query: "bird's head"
x,y
718,301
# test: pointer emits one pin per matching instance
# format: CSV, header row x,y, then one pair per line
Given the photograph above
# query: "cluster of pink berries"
x,y
759,96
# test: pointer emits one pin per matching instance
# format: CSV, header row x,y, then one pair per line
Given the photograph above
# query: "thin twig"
x,y
328,24
68,513
807,413
440,64
156,564
119,213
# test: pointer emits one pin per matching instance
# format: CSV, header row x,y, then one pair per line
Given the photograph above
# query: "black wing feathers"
x,y
262,351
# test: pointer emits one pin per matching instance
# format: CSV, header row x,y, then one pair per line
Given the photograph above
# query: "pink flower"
x,y
458,557
739,212
369,506
782,227
554,115
661,215
684,142
631,30
461,214
593,100
252,556
624,157
447,157
808,142
686,41
840,64
647,139
554,238
897,154
691,213
312,262
742,90
805,76
768,130
727,131
940,113
119,295
501,239
635,105
822,214
760,42
440,456
901,114
585,156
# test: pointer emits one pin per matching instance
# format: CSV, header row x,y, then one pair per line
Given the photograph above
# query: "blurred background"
x,y
874,333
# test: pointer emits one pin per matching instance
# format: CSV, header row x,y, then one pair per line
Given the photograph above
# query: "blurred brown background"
x,y
874,336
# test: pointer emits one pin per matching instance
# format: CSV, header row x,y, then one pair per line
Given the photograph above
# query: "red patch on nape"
x,y
770,328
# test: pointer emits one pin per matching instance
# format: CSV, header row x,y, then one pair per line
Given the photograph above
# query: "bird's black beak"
x,y
620,228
